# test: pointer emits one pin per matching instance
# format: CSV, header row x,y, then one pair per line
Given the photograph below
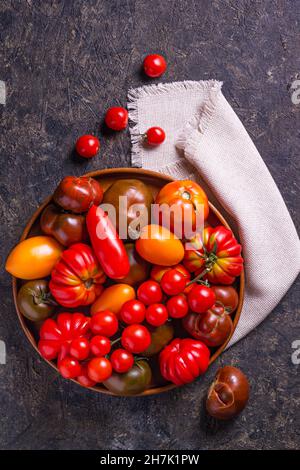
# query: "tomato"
x,y
106,243
121,360
158,245
213,327
217,251
99,369
156,314
80,348
100,345
136,338
104,323
183,360
139,268
177,306
189,203
69,367
154,136
77,277
34,257
154,65
113,298
87,146
228,297
133,382
35,301
84,379
116,118
173,282
157,272
149,292
65,227
201,298
133,311
160,337
78,194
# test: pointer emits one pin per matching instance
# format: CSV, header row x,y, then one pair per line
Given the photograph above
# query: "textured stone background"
x,y
64,63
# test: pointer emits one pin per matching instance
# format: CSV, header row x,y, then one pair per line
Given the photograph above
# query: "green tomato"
x,y
160,337
133,382
34,300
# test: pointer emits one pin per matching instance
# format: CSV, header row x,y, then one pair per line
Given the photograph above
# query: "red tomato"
x,y
84,379
116,118
154,65
133,311
69,367
121,360
157,272
177,306
99,369
87,146
104,323
156,314
136,338
173,282
149,292
154,136
201,298
100,345
80,348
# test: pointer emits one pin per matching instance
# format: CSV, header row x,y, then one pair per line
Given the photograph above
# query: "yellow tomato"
x,y
113,298
159,246
34,257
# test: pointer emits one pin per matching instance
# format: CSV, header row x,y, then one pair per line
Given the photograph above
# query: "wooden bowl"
x,y
155,181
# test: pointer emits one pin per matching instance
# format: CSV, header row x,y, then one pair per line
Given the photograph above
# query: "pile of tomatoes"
x,y
118,312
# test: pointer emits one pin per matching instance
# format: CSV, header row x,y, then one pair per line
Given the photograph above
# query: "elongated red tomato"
x,y
106,243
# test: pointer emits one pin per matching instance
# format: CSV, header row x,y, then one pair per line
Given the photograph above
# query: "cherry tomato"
x,y
136,338
154,65
99,369
69,367
133,311
116,118
201,298
80,348
156,314
104,323
84,379
173,282
154,136
149,292
177,306
100,345
121,360
87,146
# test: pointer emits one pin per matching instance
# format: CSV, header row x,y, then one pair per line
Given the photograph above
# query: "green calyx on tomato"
x,y
35,301
133,382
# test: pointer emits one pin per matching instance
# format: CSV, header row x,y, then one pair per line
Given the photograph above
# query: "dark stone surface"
x,y
64,63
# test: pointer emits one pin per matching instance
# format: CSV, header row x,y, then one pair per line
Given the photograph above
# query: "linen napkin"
x,y
207,142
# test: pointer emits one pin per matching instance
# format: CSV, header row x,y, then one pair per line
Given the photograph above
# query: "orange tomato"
x,y
34,257
113,298
158,245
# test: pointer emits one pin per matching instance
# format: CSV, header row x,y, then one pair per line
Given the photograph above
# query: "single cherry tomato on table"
x,y
156,314
154,65
149,292
100,345
133,311
116,118
173,282
104,323
136,338
121,360
201,298
99,369
177,306
154,136
87,146
80,348
69,367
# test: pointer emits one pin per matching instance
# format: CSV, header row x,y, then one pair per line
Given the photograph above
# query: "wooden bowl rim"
x,y
113,172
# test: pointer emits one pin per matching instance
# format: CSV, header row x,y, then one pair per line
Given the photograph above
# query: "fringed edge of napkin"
x,y
201,119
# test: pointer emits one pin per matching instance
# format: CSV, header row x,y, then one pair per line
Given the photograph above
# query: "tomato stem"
x,y
199,277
